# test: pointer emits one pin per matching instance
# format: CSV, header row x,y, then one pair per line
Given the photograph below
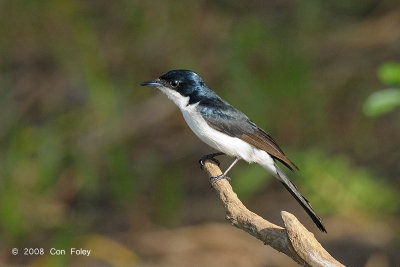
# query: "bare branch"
x,y
294,240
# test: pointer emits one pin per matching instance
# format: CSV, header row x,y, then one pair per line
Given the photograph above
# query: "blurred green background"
x,y
88,158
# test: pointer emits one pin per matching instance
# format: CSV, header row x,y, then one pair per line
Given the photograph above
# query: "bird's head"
x,y
179,85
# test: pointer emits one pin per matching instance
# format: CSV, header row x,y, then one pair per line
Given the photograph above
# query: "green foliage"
x,y
169,196
65,238
120,175
389,73
334,186
249,179
11,215
384,101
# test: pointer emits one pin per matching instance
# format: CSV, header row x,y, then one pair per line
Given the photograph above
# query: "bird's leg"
x,y
216,178
210,157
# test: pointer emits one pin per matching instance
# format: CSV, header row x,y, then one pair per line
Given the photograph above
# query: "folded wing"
x,y
225,118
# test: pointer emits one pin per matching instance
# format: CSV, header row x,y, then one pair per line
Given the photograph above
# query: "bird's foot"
x,y
212,156
214,179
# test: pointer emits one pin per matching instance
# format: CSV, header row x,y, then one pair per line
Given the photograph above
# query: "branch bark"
x,y
294,239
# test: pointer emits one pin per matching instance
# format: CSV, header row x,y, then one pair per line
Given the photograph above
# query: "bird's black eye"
x,y
174,83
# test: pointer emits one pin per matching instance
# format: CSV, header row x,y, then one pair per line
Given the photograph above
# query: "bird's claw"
x,y
214,179
203,159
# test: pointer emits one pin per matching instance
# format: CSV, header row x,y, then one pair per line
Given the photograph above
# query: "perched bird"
x,y
226,129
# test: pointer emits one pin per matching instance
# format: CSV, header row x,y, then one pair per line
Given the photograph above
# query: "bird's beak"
x,y
151,83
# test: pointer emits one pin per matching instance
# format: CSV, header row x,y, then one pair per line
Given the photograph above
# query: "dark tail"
x,y
299,197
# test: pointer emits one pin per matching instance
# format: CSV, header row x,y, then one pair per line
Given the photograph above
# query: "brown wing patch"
x,y
264,141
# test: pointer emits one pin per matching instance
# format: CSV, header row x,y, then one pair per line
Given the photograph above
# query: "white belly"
x,y
231,146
